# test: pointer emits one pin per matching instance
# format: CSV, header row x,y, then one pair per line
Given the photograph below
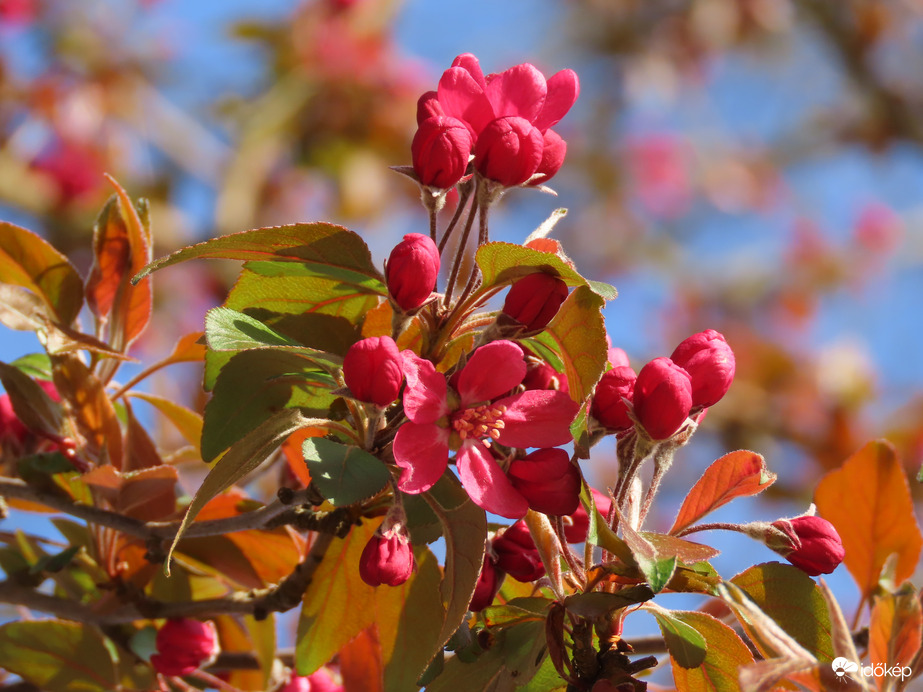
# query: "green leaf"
x,y
323,246
725,655
343,474
599,532
794,601
55,563
578,333
465,530
36,365
30,262
58,656
240,460
31,403
230,330
686,645
657,568
503,263
513,659
271,380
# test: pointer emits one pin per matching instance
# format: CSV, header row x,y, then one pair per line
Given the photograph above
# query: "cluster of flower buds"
x,y
503,119
667,390
411,272
388,556
184,645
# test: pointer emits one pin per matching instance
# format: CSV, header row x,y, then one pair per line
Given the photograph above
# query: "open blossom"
x,y
184,645
467,416
512,112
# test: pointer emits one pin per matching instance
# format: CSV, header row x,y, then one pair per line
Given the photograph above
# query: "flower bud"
x,y
534,300
710,363
184,645
517,554
548,480
662,398
489,582
608,406
816,547
387,559
411,271
617,357
578,523
540,375
373,370
553,152
318,681
508,151
428,106
440,151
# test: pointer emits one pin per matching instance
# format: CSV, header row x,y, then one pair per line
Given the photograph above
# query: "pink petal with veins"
x,y
486,482
425,394
422,451
492,371
463,98
519,91
537,418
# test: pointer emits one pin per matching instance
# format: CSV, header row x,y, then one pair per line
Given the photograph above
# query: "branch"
x,y
280,598
270,516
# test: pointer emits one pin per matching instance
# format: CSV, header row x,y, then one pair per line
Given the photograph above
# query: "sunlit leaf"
x,y
656,567
736,474
344,474
30,262
686,645
593,604
360,663
725,653
58,656
868,502
896,628
578,333
148,494
688,552
188,422
31,403
794,601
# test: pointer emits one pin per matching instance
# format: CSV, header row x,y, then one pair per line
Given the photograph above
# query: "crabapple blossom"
x,y
489,582
517,554
184,645
440,151
534,300
387,558
816,547
548,480
662,398
373,370
608,405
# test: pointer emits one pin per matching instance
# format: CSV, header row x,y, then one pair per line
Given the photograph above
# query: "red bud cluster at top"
x,y
411,271
666,390
534,300
373,370
508,116
817,547
183,645
387,558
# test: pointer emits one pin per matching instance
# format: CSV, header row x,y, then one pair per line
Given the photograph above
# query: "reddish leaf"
x,y
896,629
688,552
189,348
141,452
294,457
360,663
148,494
869,503
736,474
28,261
239,635
122,248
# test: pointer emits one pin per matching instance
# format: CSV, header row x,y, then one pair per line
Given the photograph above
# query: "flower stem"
x,y
464,194
459,253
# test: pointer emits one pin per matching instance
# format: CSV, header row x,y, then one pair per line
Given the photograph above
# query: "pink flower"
x,y
617,357
613,388
710,363
657,164
508,150
489,582
548,480
517,554
816,545
319,681
553,153
428,106
440,151
467,416
662,398
387,558
373,370
184,645
411,271
534,300
18,13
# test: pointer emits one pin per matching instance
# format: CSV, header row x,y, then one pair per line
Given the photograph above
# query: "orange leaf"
x,y
736,474
868,502
360,663
896,629
148,494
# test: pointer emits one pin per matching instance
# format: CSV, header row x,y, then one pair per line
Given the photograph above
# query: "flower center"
x,y
480,421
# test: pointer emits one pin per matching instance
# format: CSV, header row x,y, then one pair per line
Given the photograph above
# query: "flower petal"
x,y
537,418
493,370
425,394
469,62
563,89
518,91
422,451
486,482
463,98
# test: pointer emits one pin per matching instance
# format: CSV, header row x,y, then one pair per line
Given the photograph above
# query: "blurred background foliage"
x,y
752,166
